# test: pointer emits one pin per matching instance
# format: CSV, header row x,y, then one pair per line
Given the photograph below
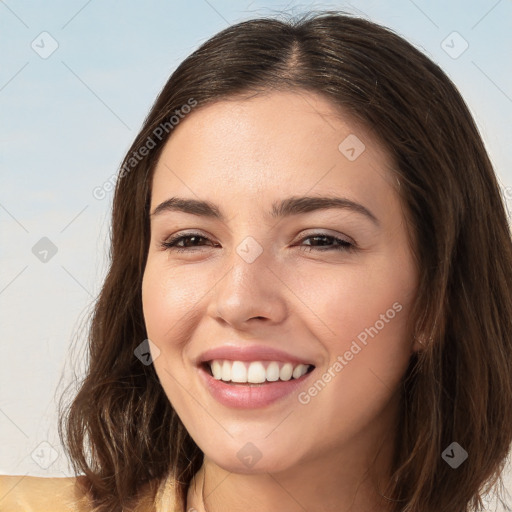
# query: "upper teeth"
x,y
256,371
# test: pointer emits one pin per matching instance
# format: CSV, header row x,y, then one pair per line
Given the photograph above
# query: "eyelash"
x,y
171,244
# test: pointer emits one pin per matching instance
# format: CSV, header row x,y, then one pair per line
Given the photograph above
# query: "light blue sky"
x,y
59,139
67,121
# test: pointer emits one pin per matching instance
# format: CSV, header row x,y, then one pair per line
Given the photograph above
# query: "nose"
x,y
251,290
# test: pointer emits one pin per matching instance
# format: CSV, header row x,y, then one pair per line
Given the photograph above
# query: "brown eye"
x,y
336,244
174,242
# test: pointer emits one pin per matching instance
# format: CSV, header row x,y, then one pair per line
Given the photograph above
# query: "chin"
x,y
260,467
253,458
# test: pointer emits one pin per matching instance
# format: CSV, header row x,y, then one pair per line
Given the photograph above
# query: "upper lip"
x,y
250,353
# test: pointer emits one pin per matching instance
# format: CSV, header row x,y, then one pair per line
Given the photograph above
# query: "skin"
x,y
244,154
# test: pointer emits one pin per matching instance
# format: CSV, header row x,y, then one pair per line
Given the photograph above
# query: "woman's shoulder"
x,y
37,494
23,493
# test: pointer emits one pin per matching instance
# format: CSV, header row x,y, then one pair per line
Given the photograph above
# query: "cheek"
x,y
364,314
169,298
344,301
156,302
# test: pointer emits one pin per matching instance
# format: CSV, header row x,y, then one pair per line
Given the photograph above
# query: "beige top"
x,y
22,493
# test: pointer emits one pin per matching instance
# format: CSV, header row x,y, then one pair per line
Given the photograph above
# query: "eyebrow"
x,y
284,208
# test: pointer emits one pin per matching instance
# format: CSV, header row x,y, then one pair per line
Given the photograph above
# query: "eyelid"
x,y
312,232
341,242
191,232
184,234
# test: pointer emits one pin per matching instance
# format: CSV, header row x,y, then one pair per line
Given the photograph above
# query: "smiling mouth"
x,y
255,372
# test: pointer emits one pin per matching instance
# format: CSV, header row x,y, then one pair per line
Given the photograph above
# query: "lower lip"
x,y
250,396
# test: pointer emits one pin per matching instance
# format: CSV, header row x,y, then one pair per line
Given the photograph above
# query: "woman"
x,y
309,303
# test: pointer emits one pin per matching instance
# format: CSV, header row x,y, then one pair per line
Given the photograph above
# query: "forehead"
x,y
280,143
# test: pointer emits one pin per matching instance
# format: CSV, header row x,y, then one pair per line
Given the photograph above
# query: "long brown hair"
x,y
121,431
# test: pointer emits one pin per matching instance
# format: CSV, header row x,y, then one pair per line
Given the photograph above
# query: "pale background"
x,y
68,119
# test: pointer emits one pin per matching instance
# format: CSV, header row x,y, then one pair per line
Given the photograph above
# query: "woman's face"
x,y
270,283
